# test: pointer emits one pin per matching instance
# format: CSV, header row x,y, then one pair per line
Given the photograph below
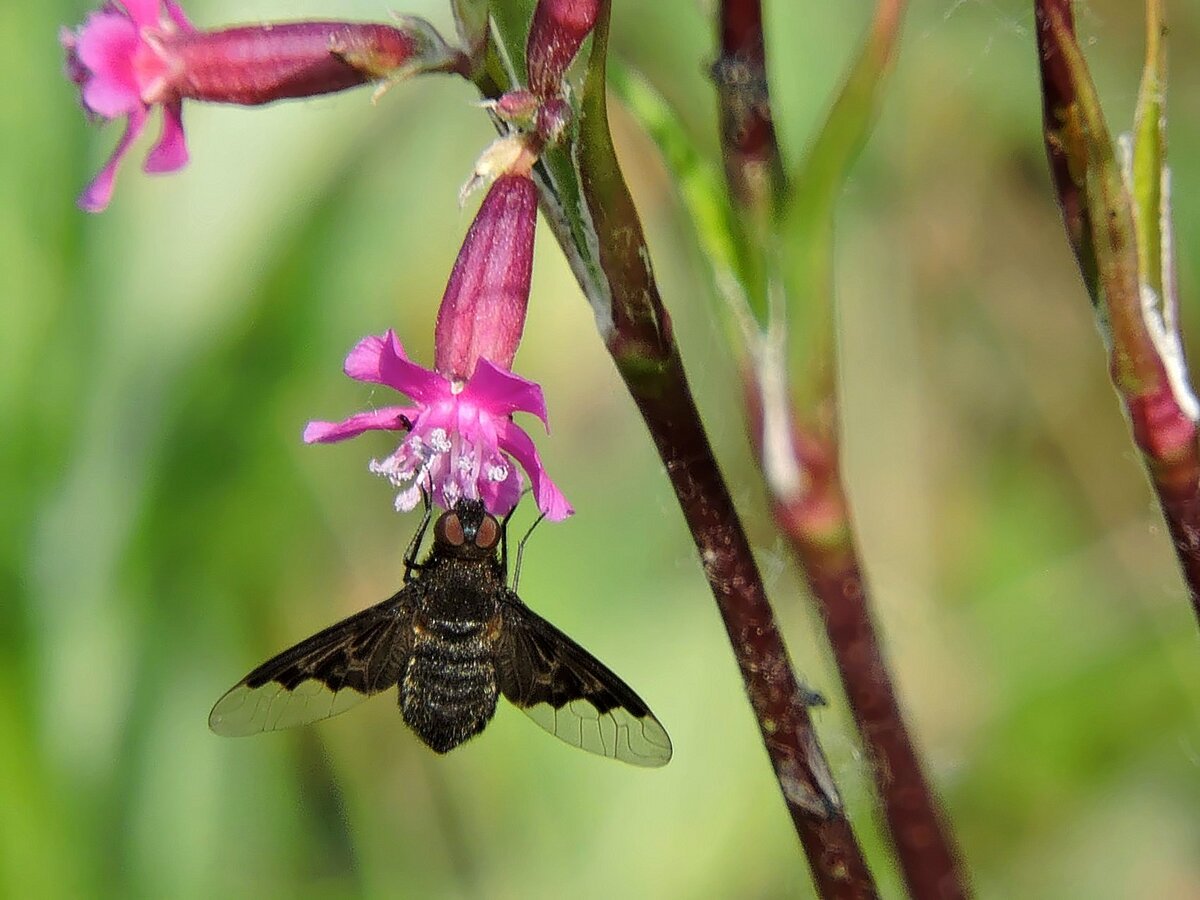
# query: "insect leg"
x,y
521,551
504,541
410,555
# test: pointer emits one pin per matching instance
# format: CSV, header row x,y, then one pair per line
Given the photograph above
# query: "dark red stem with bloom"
x,y
1058,94
813,515
638,334
779,701
819,530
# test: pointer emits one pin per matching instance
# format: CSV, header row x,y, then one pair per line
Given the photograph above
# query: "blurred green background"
x,y
164,529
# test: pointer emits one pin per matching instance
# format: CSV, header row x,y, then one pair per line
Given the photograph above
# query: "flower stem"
x,y
818,528
779,701
792,404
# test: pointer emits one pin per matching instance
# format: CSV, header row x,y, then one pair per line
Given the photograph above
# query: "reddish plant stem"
x,y
1181,509
816,520
613,268
779,701
638,334
818,528
753,165
1102,235
1058,94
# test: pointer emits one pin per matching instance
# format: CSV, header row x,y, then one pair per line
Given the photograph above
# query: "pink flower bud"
x,y
519,107
553,117
544,119
557,30
253,65
482,314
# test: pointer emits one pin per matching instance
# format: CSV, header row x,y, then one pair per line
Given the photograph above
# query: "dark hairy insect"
x,y
452,639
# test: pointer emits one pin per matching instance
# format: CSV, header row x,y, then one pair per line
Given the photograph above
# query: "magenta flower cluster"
x,y
460,440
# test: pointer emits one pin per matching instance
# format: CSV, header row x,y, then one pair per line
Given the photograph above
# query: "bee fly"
x,y
452,639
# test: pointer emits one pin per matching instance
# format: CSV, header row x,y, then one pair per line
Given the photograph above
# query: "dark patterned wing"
x,y
572,694
324,675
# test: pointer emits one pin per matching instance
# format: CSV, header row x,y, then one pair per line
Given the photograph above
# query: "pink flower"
x,y
115,59
134,55
461,440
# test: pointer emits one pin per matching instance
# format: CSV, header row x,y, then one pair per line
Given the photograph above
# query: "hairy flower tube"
x,y
134,55
461,440
482,315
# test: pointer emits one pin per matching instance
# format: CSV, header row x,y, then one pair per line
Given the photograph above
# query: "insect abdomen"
x,y
448,693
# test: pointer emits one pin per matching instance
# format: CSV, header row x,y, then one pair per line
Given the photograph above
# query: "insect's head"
x,y
468,531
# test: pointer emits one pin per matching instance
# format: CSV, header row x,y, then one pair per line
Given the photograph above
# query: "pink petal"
x,y
146,13
105,47
391,418
96,195
477,426
381,360
499,497
170,153
503,393
550,499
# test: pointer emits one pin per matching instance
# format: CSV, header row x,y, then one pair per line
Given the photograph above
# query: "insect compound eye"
x,y
449,530
488,534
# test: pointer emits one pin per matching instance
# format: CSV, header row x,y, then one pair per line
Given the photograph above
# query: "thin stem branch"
x,y
796,434
818,527
1119,227
753,164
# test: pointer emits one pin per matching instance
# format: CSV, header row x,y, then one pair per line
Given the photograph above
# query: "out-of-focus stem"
x,y
753,165
817,525
1119,226
794,425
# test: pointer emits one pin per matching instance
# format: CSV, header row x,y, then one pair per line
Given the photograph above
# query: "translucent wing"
x,y
324,675
572,694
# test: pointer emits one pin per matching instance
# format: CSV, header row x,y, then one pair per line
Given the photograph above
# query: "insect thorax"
x,y
449,690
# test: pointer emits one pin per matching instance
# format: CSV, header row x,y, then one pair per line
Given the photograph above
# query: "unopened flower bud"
x,y
482,315
557,30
